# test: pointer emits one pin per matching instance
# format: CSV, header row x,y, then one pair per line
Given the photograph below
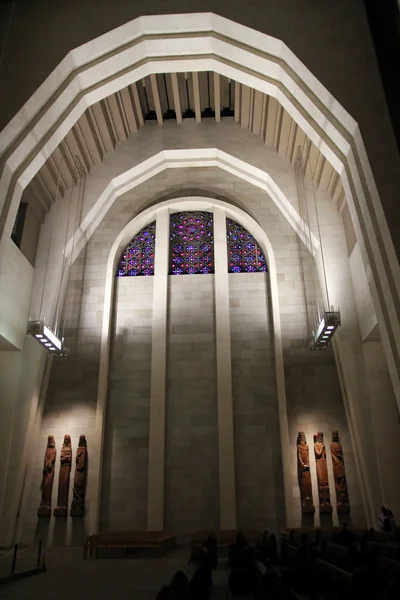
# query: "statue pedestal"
x,y
343,508
308,509
60,511
325,508
44,512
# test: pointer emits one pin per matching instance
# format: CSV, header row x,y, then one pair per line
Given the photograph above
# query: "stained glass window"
x,y
138,256
244,254
191,243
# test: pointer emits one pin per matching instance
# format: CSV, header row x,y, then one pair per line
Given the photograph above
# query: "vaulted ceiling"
x,y
177,97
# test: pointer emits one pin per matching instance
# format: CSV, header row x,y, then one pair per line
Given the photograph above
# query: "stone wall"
x,y
191,473
125,458
70,402
191,494
258,466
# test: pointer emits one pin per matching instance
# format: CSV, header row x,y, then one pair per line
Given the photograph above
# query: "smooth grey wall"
x,y
191,443
258,465
126,442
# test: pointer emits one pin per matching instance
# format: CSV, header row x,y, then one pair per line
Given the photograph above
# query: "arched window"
x,y
191,243
244,254
138,256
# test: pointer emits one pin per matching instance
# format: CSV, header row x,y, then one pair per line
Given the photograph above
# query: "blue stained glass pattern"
x,y
138,257
191,243
244,254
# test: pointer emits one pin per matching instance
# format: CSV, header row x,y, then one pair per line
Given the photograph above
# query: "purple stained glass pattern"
x,y
191,243
244,254
138,257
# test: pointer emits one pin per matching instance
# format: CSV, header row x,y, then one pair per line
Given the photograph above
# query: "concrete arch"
x,y
129,231
208,42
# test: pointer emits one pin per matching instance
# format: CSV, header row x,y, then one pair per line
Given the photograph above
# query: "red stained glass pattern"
x,y
191,243
138,257
244,254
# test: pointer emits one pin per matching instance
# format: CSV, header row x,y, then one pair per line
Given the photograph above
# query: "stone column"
x,y
226,450
386,429
155,498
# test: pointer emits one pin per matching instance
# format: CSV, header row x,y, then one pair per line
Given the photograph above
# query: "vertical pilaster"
x,y
155,498
226,450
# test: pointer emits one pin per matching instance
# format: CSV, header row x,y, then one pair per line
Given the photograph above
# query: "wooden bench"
x,y
140,544
337,580
275,573
380,549
312,532
340,556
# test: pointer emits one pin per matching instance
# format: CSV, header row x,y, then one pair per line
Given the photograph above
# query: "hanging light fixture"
x,y
324,322
325,331
47,337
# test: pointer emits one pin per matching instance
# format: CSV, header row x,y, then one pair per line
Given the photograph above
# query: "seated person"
x,y
344,537
166,594
180,585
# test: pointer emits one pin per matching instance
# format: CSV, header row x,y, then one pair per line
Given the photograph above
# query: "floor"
x,y
68,576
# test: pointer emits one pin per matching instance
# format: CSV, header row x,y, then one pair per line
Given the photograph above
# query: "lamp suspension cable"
x,y
51,226
299,176
330,320
78,219
320,237
62,271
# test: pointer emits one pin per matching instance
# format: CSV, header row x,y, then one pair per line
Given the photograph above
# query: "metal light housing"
x,y
47,338
326,330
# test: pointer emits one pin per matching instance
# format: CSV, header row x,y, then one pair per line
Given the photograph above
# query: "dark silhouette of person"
x,y
166,594
344,537
180,585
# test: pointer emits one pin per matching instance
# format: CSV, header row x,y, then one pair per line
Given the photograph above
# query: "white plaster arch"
x,y
123,238
128,53
180,159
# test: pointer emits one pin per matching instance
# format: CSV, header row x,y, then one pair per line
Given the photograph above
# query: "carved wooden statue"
x,y
78,500
322,473
339,473
50,455
63,481
303,459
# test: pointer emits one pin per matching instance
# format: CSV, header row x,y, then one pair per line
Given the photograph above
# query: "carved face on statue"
x,y
82,441
301,438
67,440
318,438
335,436
50,441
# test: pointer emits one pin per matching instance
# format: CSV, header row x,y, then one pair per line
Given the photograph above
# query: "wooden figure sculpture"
x,y
322,473
61,509
50,455
78,500
339,473
303,460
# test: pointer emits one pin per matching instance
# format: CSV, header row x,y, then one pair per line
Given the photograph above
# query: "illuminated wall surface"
x,y
190,289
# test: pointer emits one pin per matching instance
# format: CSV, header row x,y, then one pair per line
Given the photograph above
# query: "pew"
x,y
140,544
346,558
381,549
330,580
327,533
